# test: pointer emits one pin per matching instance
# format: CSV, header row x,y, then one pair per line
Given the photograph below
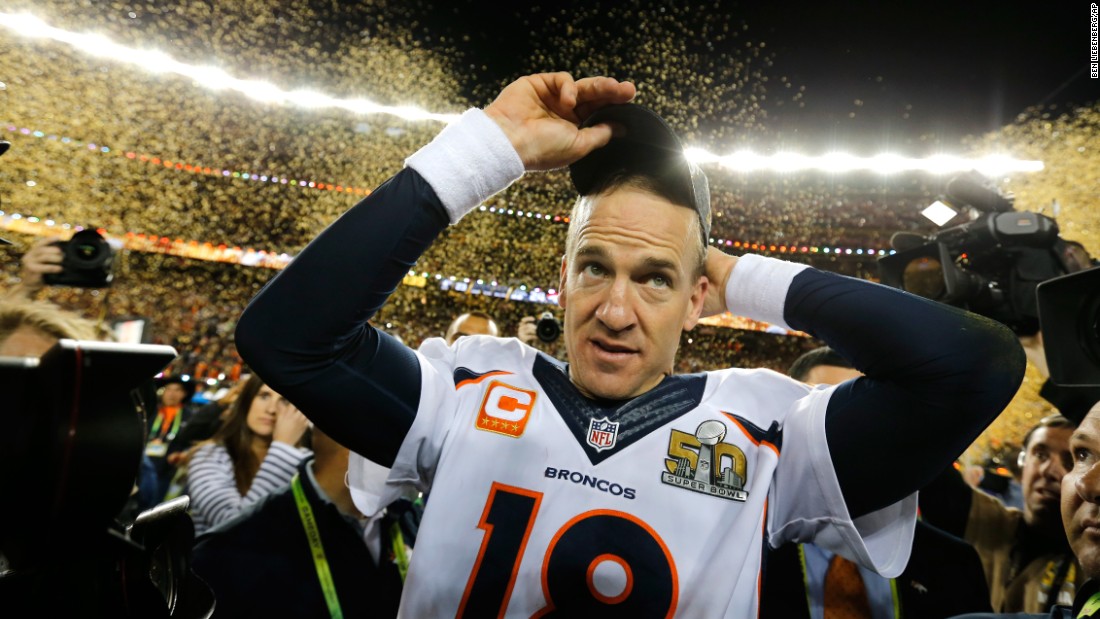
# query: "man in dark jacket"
x,y
306,551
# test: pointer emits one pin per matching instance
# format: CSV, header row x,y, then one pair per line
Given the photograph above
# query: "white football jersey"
x,y
544,503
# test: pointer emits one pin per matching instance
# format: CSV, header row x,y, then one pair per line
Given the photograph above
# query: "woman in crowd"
x,y
254,453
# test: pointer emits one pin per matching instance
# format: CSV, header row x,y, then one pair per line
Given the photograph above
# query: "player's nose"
x,y
616,310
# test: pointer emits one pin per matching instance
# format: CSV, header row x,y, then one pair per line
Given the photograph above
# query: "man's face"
x,y
628,288
1081,495
468,324
172,394
1046,460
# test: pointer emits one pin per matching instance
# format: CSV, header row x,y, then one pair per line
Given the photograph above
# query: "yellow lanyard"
x,y
309,523
1091,607
400,557
155,431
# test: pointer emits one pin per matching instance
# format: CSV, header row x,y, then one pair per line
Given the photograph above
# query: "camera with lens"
x,y
86,262
1069,310
72,433
990,265
548,329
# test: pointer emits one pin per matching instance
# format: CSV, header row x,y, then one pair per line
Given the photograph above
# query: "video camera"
x,y
1012,267
990,265
72,434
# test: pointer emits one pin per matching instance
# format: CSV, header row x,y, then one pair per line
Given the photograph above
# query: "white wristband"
x,y
757,288
469,161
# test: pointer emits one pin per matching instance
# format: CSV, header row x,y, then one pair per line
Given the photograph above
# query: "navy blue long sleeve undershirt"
x,y
935,376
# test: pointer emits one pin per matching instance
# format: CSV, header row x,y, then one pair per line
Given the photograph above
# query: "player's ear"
x,y
562,281
695,302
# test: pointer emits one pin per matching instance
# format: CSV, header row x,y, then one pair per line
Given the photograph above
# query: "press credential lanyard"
x,y
309,523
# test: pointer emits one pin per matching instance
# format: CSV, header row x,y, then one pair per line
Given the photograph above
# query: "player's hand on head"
x,y
290,425
719,266
540,115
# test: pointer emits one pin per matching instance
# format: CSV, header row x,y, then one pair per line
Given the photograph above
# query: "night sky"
x,y
908,75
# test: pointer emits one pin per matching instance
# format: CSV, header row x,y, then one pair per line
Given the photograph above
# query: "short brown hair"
x,y
648,185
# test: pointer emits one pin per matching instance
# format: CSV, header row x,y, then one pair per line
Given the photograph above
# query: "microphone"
x,y
973,189
902,241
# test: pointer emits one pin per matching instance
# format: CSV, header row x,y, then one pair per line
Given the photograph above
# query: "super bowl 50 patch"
x,y
702,463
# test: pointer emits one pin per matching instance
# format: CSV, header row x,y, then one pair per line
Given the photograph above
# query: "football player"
x,y
608,485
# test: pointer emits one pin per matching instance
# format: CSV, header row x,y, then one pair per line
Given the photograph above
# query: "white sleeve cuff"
x,y
467,162
757,288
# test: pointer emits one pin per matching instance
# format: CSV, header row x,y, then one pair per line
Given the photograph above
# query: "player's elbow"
x,y
255,339
992,363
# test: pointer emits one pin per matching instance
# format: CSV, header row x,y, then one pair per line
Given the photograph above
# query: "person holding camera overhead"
x,y
42,258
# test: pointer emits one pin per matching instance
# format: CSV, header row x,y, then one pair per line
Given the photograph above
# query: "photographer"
x,y
72,436
542,333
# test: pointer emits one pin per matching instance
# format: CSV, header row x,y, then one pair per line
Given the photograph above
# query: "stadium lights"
x,y
837,163
215,78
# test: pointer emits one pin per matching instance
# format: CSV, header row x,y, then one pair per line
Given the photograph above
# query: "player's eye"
x,y
594,269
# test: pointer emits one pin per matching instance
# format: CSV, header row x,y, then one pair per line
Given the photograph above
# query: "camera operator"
x,y
1080,512
995,264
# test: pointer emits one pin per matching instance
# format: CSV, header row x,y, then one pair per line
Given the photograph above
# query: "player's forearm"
x,y
306,332
935,376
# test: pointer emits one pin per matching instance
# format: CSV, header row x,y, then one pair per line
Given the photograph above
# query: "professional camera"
x,y
71,437
548,328
1069,311
86,263
989,265
1069,308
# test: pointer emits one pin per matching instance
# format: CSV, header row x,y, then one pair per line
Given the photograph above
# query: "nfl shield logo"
x,y
602,433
